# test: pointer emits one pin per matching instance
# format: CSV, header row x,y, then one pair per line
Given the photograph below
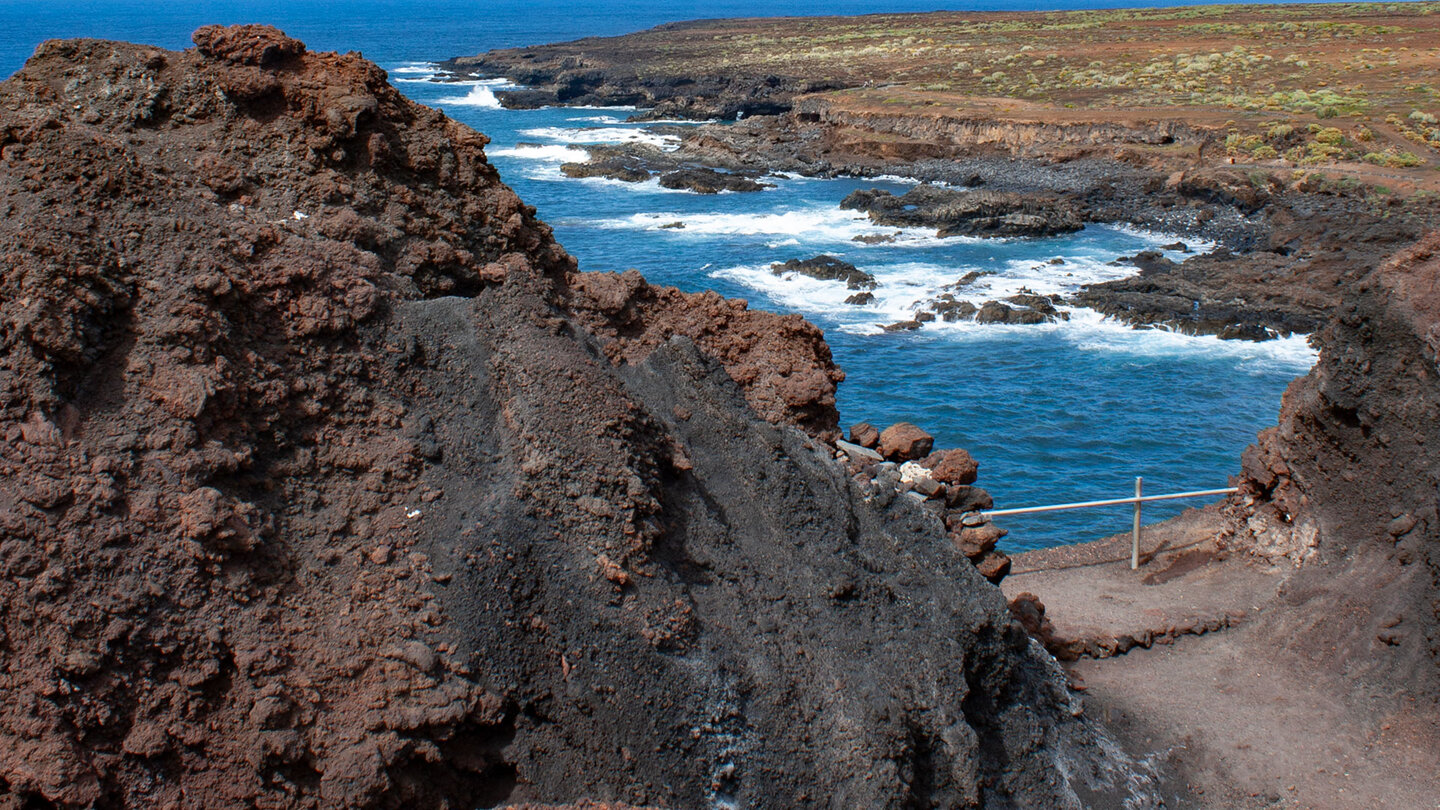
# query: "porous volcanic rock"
x,y
955,466
327,481
1344,487
903,441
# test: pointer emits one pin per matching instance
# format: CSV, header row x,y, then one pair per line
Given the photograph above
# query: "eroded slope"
x,y
327,481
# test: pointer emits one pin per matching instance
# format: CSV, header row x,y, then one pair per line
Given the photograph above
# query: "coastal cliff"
x,y
1345,486
327,480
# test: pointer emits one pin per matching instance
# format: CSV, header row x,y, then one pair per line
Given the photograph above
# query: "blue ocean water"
x,y
1062,412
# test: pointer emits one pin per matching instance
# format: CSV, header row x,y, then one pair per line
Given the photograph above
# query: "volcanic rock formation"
x,y
1345,486
326,480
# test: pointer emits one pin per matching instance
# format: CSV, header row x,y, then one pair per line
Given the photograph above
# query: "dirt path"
x,y
1231,721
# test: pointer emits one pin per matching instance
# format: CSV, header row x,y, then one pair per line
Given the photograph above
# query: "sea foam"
x,y
602,135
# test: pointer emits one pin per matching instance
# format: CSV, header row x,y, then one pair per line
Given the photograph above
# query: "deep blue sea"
x,y
1064,412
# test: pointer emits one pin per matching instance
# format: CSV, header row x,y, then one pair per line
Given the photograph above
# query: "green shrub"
x,y
1393,160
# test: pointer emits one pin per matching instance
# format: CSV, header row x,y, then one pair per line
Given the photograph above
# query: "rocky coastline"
x,y
1288,239
327,480
1318,231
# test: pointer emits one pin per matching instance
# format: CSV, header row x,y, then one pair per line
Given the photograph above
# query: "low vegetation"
x,y
1365,73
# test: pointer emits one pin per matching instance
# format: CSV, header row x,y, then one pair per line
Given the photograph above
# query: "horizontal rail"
x,y
1112,502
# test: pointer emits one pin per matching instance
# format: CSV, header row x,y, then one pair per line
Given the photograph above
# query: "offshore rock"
x,y
954,212
327,481
827,268
636,163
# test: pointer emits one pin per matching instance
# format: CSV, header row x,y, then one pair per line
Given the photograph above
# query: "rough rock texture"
x,y
953,212
782,361
903,441
636,163
326,481
955,466
827,268
1345,486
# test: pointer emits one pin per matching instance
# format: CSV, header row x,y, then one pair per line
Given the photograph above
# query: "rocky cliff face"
x,y
327,481
1345,486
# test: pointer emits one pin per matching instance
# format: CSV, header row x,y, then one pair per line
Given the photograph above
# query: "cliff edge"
x,y
326,480
1345,486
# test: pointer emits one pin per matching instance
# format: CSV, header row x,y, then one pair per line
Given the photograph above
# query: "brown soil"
x,y
1199,684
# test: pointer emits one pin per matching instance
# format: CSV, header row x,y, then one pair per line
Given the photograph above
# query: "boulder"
x,y
963,498
827,268
903,441
994,566
861,298
918,478
901,326
996,312
952,466
865,435
974,541
951,311
1029,611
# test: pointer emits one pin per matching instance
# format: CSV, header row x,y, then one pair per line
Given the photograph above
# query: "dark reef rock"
x,y
1234,297
709,181
953,212
997,312
636,163
328,481
827,268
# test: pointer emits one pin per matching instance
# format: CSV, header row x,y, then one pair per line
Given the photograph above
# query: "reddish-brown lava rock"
x,y
865,435
903,441
781,361
956,467
1344,486
994,565
964,498
326,481
259,45
1027,609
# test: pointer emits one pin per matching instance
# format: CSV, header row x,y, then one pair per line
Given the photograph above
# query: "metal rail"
x,y
1137,500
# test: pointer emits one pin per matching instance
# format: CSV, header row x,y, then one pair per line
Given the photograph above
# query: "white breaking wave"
x,y
482,93
552,153
1091,331
415,67
905,288
814,225
602,135
544,159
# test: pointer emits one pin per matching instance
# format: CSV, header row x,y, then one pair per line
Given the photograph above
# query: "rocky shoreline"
x,y
1336,512
1288,241
327,480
